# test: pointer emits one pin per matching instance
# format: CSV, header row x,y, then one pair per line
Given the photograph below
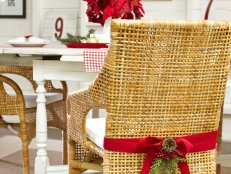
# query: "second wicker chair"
x,y
23,108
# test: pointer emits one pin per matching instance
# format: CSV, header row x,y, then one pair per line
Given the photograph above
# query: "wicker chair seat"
x,y
30,102
227,108
30,99
96,130
227,101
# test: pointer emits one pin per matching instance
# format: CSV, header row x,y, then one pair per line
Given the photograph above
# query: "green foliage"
x,y
161,166
91,31
155,166
76,38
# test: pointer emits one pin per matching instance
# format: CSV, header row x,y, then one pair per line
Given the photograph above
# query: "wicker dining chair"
x,y
14,105
26,104
159,79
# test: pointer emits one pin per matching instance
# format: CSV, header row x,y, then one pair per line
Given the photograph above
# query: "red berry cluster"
x,y
166,156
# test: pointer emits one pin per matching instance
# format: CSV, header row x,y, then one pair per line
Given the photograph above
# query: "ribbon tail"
x,y
147,164
183,166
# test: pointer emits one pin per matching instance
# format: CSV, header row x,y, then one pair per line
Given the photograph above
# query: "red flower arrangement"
x,y
99,10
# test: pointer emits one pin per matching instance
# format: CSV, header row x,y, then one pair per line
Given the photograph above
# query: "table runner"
x,y
93,59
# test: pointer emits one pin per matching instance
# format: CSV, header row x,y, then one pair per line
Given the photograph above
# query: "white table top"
x,y
50,49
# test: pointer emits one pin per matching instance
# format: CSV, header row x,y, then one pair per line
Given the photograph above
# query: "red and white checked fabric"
x,y
93,59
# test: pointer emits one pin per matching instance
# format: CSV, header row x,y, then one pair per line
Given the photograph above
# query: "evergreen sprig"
x,y
162,166
91,31
76,38
155,165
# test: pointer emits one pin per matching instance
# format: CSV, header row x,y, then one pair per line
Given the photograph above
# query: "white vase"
x,y
107,29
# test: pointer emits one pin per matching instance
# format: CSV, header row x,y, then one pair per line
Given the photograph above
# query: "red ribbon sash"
x,y
152,146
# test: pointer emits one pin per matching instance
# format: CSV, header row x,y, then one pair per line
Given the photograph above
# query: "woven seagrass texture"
x,y
162,79
56,111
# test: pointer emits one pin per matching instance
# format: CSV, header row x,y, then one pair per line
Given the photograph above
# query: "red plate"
x,y
86,45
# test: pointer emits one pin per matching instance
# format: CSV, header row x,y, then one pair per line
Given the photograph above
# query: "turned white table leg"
x,y
41,160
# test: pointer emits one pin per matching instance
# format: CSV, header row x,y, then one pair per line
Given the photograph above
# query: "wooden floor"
x,y
11,154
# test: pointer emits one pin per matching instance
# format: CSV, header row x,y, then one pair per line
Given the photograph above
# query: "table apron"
x,y
58,70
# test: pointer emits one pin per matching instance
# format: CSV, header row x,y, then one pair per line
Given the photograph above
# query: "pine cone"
x,y
169,145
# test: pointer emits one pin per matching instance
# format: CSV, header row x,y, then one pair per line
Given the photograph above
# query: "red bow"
x,y
153,147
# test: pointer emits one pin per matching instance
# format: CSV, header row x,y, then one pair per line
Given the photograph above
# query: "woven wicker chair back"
x,y
164,79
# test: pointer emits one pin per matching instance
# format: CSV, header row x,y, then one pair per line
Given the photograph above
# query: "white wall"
x,y
11,28
196,9
220,9
154,9
51,9
167,9
48,10
223,10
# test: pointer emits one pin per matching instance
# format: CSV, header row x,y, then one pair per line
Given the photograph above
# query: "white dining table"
x,y
68,67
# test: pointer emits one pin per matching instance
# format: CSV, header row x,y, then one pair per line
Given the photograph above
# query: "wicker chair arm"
x,y
78,106
12,104
24,71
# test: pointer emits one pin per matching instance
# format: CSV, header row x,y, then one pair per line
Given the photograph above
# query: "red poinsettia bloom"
x,y
99,10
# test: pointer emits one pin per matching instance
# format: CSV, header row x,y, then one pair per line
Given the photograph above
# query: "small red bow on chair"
x,y
163,148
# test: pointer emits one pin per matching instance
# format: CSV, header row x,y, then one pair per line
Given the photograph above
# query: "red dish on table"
x,y
85,45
